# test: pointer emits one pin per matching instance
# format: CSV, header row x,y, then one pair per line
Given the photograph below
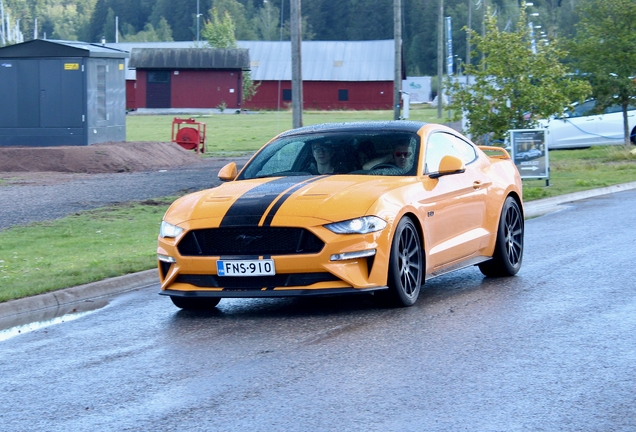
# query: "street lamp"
x,y
531,26
198,15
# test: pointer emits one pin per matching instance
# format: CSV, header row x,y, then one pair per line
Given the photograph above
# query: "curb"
x,y
147,278
549,205
79,293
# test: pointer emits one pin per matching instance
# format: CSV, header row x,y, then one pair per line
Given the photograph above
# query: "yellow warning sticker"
x,y
71,66
121,66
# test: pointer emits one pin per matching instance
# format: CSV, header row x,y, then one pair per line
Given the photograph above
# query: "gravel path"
x,y
23,204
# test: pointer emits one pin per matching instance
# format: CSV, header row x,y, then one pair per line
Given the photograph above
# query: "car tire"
x,y
506,260
195,303
406,267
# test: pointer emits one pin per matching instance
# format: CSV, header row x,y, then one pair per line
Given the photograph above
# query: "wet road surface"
x,y
553,348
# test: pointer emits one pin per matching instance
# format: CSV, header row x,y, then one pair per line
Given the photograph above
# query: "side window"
x,y
442,144
613,109
584,109
467,151
283,159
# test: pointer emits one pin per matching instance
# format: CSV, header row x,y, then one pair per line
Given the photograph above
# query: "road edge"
x,y
93,290
143,279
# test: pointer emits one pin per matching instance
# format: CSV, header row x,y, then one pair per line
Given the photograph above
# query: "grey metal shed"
x,y
61,93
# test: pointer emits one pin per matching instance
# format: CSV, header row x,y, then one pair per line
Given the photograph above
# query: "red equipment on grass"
x,y
189,134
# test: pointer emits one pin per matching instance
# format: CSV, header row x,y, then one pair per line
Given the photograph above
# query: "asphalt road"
x,y
550,349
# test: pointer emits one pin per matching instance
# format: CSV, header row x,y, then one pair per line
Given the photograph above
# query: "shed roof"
x,y
59,48
323,60
189,58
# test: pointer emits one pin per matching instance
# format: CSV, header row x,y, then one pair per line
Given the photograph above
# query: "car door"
x,y
610,126
577,128
455,206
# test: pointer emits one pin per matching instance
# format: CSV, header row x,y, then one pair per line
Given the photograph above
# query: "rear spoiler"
x,y
495,152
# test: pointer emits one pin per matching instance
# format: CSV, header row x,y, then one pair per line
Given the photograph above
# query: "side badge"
x,y
430,214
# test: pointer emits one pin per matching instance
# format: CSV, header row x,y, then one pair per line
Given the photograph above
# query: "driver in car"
x,y
401,157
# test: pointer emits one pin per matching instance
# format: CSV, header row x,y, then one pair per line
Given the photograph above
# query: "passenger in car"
x,y
323,159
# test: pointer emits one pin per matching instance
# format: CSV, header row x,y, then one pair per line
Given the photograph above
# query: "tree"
x,y
249,86
219,31
164,32
108,29
605,49
267,22
306,30
149,33
182,20
242,27
220,34
515,83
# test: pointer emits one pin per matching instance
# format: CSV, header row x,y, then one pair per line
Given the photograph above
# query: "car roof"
x,y
366,126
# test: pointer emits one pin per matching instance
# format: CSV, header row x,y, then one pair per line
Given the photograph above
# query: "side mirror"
x,y
228,172
449,165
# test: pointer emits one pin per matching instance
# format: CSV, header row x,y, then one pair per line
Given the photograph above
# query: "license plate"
x,y
263,267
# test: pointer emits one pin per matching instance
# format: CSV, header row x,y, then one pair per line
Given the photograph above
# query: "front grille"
x,y
249,241
257,282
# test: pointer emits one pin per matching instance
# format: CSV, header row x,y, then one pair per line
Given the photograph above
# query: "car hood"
x,y
272,200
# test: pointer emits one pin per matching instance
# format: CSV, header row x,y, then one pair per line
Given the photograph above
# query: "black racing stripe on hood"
x,y
249,209
281,201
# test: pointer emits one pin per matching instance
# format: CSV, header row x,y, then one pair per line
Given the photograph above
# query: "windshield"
x,y
377,153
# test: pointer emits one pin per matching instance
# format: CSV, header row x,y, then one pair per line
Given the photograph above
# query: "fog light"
x,y
352,255
166,258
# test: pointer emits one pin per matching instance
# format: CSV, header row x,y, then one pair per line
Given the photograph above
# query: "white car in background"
x,y
579,128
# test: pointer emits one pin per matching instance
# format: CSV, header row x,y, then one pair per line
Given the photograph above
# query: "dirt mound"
x,y
96,158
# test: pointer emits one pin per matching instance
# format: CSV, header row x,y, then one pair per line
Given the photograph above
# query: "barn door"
x,y
158,89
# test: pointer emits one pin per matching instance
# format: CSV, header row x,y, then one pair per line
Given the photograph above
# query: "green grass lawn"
x,y
121,239
245,133
579,170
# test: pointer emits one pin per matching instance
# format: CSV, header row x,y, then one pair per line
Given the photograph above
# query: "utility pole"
x,y
397,35
470,18
297,79
440,58
484,13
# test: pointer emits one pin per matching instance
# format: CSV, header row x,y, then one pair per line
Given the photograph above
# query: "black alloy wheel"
x,y
406,266
506,261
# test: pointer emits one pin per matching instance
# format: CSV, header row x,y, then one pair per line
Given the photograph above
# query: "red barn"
x,y
335,74
186,77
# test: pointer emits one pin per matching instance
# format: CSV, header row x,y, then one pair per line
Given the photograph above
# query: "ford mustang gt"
x,y
368,207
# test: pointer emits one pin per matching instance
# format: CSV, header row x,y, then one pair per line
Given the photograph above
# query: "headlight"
x,y
363,225
169,230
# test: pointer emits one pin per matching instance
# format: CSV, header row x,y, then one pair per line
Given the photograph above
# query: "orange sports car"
x,y
368,207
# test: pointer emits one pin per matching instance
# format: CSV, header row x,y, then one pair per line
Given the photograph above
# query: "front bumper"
x,y
268,293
